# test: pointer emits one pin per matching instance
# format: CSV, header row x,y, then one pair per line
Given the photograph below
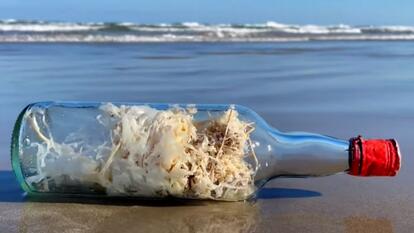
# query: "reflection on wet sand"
x,y
361,224
272,212
316,223
69,217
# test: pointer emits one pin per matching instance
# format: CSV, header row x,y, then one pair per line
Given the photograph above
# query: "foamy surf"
x,y
127,32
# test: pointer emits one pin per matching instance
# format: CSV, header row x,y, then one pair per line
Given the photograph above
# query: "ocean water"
x,y
121,32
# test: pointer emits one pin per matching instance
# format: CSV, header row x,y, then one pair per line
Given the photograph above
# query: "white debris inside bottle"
x,y
156,153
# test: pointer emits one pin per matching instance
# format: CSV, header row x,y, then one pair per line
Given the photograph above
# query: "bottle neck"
x,y
305,154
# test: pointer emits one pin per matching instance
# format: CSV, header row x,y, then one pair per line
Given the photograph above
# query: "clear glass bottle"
x,y
220,152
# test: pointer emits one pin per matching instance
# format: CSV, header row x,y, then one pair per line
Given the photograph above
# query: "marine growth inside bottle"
x,y
140,151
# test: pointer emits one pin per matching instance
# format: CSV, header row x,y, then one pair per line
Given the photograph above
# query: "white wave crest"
x,y
130,39
312,29
191,24
39,31
57,27
182,38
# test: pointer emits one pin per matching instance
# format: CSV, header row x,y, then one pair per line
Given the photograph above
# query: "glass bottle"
x,y
220,152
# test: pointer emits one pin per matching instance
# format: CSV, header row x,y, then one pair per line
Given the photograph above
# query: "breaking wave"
x,y
42,31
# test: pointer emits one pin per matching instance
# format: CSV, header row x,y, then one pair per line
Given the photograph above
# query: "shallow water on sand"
x,y
337,88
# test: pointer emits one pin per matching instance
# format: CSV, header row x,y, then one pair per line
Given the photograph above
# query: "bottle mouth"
x,y
15,150
374,157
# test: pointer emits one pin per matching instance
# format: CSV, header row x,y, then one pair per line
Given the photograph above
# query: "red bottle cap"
x,y
374,157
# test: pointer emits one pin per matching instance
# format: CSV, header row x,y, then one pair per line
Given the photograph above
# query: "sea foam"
x,y
12,30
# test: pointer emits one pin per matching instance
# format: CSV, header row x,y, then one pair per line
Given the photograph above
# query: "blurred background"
x,y
340,68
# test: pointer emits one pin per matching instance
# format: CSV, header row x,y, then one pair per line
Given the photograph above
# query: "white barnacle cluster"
x,y
159,153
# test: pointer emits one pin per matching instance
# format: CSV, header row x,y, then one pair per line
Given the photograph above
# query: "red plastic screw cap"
x,y
374,157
